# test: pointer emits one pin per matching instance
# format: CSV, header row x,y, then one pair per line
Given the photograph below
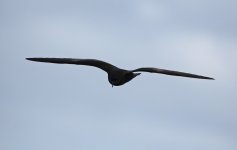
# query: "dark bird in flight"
x,y
116,76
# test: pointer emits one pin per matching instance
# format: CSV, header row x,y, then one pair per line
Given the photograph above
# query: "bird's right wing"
x,y
89,62
170,72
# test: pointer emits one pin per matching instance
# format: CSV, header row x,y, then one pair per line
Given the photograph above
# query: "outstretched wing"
x,y
170,72
89,62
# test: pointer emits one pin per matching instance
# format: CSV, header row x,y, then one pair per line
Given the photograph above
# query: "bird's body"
x,y
116,76
119,76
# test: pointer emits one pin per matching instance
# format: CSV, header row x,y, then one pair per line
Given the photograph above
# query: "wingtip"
x,y
210,78
29,58
32,59
206,78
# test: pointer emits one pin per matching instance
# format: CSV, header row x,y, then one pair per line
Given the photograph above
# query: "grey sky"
x,y
48,106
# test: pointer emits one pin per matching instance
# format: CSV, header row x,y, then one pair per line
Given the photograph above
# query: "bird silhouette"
x,y
116,76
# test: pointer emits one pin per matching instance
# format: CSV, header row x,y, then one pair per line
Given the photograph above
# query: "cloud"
x,y
58,106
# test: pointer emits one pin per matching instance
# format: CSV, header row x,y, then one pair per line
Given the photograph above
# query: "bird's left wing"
x,y
170,72
89,62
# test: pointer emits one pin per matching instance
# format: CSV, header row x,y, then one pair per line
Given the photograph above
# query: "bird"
x,y
116,76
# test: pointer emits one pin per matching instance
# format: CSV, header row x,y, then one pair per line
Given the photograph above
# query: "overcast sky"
x,y
59,107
